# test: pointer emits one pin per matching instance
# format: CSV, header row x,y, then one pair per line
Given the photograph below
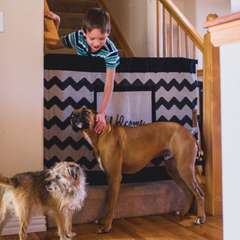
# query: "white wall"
x,y
21,86
235,6
230,117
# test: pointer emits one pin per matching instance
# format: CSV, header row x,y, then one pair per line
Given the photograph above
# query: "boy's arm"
x,y
56,20
108,89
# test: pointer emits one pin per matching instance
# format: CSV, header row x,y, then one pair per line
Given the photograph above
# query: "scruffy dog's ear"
x,y
73,171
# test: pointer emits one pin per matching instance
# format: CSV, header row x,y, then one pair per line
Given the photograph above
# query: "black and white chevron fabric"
x,y
145,90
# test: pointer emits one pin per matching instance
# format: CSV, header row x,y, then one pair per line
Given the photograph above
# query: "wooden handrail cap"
x,y
211,16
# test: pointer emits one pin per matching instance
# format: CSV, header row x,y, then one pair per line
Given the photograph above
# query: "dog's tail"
x,y
200,152
4,181
199,169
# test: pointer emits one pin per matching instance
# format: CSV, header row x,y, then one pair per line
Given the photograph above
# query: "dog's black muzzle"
x,y
78,122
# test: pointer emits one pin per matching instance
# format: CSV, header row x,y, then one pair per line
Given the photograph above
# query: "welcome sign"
x,y
129,107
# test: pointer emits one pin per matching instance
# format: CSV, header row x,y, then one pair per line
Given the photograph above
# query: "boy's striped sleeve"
x,y
112,60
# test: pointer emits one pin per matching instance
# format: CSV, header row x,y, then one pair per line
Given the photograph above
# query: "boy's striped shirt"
x,y
108,52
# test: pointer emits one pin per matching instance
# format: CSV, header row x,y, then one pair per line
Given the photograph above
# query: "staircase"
x,y
134,200
71,13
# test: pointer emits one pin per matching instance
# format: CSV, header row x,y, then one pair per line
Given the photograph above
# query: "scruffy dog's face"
x,y
64,177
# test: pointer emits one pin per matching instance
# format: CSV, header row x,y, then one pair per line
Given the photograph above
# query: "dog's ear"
x,y
73,171
47,174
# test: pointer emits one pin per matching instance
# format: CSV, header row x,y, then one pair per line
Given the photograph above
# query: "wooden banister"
x,y
50,35
117,31
221,31
183,22
224,30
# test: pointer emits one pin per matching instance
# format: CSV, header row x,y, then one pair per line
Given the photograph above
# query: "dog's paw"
x,y
100,221
104,230
97,222
179,213
106,225
71,235
199,221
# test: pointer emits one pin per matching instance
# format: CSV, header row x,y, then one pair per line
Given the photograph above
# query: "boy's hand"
x,y
101,123
51,15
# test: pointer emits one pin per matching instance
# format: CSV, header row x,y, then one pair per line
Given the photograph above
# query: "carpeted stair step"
x,y
66,31
135,199
72,6
70,20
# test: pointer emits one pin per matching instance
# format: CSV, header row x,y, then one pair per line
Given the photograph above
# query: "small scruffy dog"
x,y
60,189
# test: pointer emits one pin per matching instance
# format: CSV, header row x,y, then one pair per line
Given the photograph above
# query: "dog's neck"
x,y
91,136
86,137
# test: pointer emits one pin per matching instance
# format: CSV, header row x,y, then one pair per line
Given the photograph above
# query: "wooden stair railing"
x,y
176,36
50,35
117,31
173,46
223,30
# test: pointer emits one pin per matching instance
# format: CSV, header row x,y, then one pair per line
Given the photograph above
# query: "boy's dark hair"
x,y
97,18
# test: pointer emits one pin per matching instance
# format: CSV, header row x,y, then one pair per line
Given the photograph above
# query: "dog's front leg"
x,y
60,216
68,224
114,181
25,221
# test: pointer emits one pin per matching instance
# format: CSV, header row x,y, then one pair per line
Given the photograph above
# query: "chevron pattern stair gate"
x,y
145,90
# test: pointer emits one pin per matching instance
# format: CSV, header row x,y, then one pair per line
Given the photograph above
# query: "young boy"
x,y
93,40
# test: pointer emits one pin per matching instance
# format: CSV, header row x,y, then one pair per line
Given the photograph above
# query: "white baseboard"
x,y
37,224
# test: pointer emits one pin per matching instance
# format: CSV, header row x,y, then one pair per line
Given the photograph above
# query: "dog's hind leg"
x,y
186,170
185,156
189,178
5,214
68,224
6,208
172,171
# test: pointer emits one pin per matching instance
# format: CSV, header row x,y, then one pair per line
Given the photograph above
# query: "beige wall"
x,y
137,20
21,86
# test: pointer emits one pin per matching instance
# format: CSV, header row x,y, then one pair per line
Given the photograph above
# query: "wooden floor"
x,y
167,226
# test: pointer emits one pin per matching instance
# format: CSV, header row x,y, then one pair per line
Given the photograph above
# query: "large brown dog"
x,y
60,189
121,149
